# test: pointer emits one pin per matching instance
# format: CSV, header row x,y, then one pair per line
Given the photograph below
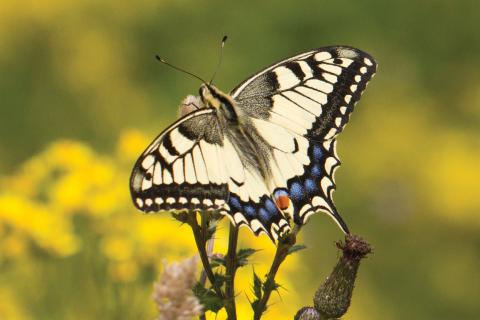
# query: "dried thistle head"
x,y
173,292
332,299
189,104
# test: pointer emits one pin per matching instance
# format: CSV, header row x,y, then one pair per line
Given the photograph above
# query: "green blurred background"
x,y
79,84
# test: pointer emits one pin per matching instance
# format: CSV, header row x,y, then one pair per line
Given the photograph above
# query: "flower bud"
x,y
307,313
189,104
333,297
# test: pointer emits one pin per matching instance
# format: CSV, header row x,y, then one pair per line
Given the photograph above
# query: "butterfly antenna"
x,y
178,69
224,39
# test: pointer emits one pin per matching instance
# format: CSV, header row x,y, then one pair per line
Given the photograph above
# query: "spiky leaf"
x,y
217,261
243,255
295,248
270,285
257,286
208,298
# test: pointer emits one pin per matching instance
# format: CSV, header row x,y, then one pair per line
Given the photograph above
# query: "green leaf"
x,y
180,216
199,289
208,298
270,285
295,248
243,255
257,286
217,262
220,279
211,228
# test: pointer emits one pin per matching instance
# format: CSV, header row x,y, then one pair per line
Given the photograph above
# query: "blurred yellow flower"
x,y
13,245
10,308
131,144
452,181
125,271
117,248
48,229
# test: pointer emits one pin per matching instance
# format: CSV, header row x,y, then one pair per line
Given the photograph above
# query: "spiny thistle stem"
x,y
210,245
230,269
283,247
199,241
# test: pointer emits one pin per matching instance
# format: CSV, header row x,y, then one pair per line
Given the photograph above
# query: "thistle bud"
x,y
333,297
307,313
189,104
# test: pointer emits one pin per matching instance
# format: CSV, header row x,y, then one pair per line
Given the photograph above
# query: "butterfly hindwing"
x,y
251,205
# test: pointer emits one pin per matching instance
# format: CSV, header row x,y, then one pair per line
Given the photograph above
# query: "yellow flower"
x,y
10,308
117,248
125,271
69,155
452,180
47,228
161,237
13,246
131,144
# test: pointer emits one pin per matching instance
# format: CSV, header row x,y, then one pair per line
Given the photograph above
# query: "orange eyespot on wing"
x,y
282,202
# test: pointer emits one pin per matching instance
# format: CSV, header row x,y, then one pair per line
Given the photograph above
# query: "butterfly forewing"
x,y
322,85
181,169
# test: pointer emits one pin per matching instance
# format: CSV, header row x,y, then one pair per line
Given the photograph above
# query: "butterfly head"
x,y
209,95
214,98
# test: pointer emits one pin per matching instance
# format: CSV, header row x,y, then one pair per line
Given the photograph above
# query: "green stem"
x,y
199,241
209,244
231,268
280,255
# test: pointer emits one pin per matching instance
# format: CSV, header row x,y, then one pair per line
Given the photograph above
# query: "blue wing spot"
x,y
264,215
316,171
317,152
296,191
234,202
250,212
280,193
271,207
310,185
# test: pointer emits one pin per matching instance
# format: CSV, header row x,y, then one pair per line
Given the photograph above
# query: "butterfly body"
x,y
264,154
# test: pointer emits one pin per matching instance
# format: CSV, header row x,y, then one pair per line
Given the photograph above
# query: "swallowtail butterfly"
x,y
263,154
